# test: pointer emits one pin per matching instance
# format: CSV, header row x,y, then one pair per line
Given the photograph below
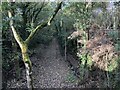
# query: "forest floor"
x,y
50,70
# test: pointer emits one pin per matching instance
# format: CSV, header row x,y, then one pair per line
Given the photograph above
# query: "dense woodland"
x,y
60,44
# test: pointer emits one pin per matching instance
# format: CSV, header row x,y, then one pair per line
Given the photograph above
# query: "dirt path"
x,y
51,70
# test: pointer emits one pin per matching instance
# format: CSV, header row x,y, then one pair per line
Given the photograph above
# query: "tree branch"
x,y
55,12
44,24
38,11
15,33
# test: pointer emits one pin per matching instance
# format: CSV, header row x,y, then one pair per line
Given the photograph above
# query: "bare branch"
x,y
44,24
55,12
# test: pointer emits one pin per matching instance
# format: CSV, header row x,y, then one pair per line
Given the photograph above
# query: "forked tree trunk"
x,y
24,44
24,48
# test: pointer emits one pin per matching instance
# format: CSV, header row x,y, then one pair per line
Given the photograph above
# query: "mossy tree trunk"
x,y
28,65
24,44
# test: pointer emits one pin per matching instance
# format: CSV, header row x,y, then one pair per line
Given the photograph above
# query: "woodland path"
x,y
50,70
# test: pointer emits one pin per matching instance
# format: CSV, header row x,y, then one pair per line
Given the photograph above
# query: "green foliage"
x,y
89,61
113,65
71,78
43,37
114,75
6,60
117,46
113,35
30,27
72,17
